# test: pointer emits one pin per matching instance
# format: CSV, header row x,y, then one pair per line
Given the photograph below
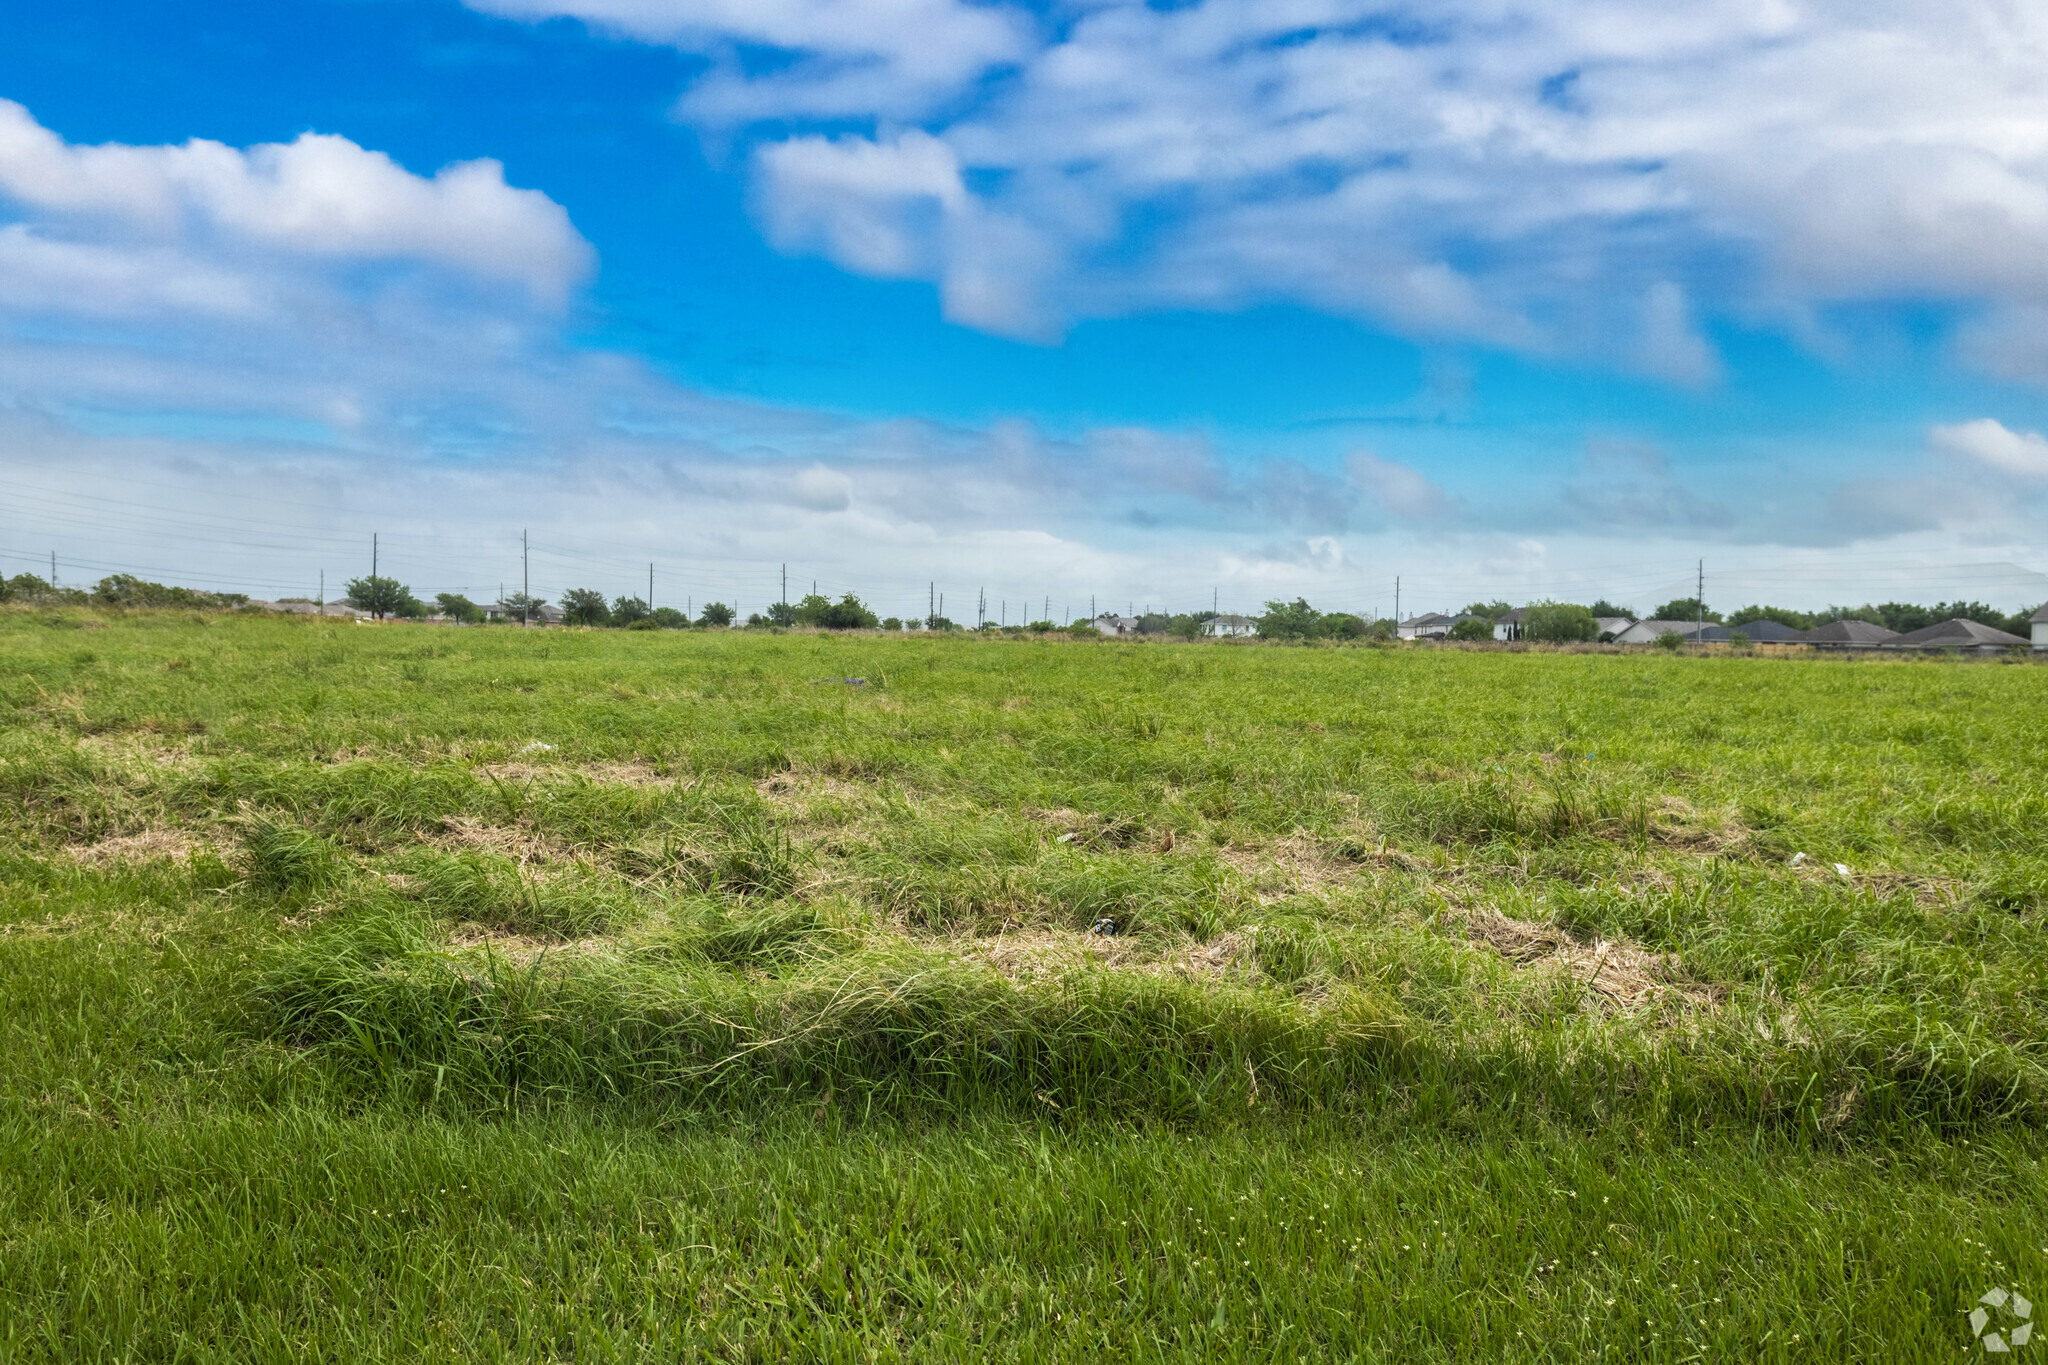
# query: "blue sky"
x,y
1145,302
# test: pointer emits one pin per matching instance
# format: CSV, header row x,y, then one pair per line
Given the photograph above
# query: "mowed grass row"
x,y
617,910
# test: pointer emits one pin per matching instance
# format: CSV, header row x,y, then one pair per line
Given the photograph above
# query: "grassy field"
x,y
423,994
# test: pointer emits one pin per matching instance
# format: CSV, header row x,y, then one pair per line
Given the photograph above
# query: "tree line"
x,y
1543,622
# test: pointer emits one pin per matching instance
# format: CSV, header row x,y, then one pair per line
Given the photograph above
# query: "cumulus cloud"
x,y
1579,175
320,196
1991,445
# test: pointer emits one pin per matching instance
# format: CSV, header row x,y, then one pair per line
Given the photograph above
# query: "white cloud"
x,y
1990,444
1670,348
320,196
821,490
1404,492
1551,174
855,57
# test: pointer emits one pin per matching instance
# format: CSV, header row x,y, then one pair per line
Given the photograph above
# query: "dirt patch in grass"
x,y
1620,975
150,845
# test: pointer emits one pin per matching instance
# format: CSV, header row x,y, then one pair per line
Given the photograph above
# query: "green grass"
x,y
432,994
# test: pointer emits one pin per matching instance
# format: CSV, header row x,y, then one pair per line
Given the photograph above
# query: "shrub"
x,y
848,613
668,618
1560,623
1295,620
1471,630
1670,640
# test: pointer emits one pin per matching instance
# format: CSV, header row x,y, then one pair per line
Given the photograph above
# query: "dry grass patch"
x,y
604,774
150,845
1621,976
458,833
1294,866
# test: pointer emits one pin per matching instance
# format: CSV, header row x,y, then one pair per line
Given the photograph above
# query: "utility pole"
x,y
53,568
373,554
1215,598
323,592
931,608
650,587
525,583
1699,602
785,583
1091,606
1397,604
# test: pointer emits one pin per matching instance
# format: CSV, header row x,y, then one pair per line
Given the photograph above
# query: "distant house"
x,y
1110,624
1611,627
1849,634
1224,627
1973,636
1756,632
1766,632
1433,625
2040,624
1646,632
1509,627
543,615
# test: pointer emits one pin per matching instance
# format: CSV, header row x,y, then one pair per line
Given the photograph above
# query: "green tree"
x,y
781,614
892,623
524,607
1471,630
1492,611
848,613
811,611
668,618
585,607
412,609
1866,612
1559,623
1342,625
1294,620
1784,616
1606,608
716,614
1685,609
456,607
627,610
381,597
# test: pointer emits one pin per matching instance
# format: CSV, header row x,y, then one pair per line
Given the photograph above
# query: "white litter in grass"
x,y
536,747
1842,868
1798,859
